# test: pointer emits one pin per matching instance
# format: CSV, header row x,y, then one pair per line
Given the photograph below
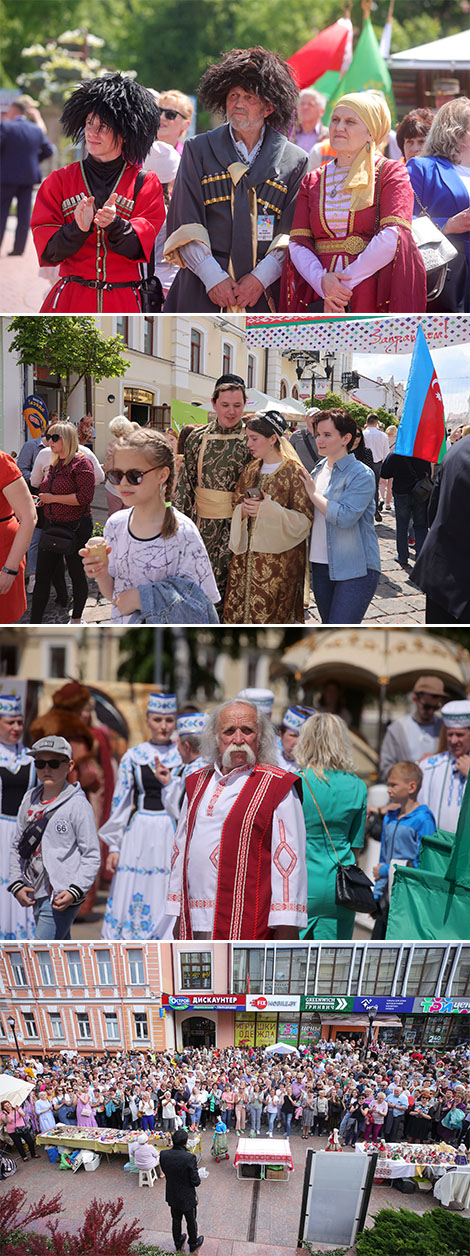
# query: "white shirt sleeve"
x,y
40,468
270,267
198,258
288,865
173,904
378,253
308,266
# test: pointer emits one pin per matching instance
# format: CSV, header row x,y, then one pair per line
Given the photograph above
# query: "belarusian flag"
x,y
367,71
325,51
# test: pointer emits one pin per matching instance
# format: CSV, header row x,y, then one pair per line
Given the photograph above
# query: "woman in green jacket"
x,y
331,790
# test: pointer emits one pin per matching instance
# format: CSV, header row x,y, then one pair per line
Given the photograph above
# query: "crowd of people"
x,y
217,825
237,521
267,211
389,1092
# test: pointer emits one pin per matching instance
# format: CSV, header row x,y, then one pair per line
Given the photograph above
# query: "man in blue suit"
x,y
23,144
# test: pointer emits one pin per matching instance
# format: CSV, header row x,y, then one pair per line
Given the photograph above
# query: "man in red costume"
x,y
97,219
239,862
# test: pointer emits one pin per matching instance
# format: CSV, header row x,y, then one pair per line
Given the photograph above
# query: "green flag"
x,y
367,72
459,866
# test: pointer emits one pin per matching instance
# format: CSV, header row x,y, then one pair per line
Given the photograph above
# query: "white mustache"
x,y
233,749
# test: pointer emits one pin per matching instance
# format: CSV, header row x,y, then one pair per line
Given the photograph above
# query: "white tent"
x,y
256,400
281,1048
14,1089
450,53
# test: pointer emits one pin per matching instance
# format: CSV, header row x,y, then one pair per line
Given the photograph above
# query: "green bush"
x,y
403,1233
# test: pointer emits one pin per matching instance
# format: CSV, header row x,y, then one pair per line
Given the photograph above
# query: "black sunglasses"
x,y
55,436
50,763
171,114
132,477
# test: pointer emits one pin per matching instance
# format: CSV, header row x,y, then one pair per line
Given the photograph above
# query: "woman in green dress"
x,y
330,787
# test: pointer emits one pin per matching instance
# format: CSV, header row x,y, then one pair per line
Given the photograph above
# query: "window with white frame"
x,y
136,967
227,358
148,336
251,371
112,1025
45,968
283,390
196,970
196,352
3,1032
75,968
30,1025
141,1025
57,1028
19,975
83,1022
57,661
105,967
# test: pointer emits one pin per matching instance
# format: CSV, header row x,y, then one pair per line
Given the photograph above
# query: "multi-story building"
x,y
100,997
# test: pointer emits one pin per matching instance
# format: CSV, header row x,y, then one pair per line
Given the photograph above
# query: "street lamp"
x,y
12,1024
310,358
330,359
372,1013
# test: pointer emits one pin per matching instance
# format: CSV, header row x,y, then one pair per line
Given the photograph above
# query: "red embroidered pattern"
x,y
215,796
242,860
283,850
201,902
214,856
174,856
289,907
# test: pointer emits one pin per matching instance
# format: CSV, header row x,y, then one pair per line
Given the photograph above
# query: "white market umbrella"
x,y
14,1089
281,1048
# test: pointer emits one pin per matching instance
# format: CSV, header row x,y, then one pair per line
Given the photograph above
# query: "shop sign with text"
x,y
273,1002
443,1006
326,1003
180,1002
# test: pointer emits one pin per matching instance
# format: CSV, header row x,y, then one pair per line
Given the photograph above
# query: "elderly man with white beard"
x,y
239,863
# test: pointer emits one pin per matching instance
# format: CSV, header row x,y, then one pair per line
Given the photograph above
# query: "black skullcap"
x,y
275,420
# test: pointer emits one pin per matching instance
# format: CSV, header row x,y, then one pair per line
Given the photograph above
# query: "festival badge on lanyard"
x,y
36,415
265,226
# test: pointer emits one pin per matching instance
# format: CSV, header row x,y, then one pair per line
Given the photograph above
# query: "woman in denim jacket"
x,y
344,551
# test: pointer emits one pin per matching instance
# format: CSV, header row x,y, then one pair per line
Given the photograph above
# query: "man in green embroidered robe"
x,y
214,458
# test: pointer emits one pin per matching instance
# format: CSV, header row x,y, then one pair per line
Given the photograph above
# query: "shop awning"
x,y
359,1022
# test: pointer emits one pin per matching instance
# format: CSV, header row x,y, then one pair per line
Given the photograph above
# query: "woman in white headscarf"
x,y
351,245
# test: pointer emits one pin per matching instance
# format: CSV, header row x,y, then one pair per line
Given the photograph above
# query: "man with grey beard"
x,y
239,863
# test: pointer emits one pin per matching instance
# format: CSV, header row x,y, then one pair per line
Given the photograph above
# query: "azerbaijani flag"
x,y
421,433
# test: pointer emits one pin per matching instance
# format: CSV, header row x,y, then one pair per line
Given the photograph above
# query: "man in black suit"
x,y
23,144
182,1177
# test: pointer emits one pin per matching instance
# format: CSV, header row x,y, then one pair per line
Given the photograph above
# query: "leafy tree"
x,y
355,408
204,644
69,345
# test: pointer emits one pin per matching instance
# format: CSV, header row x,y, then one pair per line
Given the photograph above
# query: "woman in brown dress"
x,y
271,522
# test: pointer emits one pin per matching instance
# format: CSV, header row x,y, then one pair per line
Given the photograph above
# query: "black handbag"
x,y
422,490
58,538
151,291
353,886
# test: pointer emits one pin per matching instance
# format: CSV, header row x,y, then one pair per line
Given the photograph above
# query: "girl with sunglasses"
x,y
148,541
66,493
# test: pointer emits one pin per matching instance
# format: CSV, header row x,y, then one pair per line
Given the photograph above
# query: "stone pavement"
x,y
22,290
396,602
236,1218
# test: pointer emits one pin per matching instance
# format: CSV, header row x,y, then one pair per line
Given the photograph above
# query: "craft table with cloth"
x,y
454,1187
389,1169
263,1154
104,1141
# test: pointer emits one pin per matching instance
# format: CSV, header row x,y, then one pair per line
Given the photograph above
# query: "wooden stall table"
x,y
260,1158
387,1169
104,1141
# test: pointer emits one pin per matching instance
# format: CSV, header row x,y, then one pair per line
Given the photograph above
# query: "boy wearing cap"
x,y
292,723
55,854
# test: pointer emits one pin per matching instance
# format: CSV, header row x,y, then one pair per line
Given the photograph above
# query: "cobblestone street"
x,y
396,602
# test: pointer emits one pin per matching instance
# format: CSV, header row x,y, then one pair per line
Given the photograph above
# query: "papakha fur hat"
x,y
128,109
255,70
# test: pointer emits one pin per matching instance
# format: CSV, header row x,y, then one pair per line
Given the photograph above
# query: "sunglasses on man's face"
x,y
50,763
171,114
132,477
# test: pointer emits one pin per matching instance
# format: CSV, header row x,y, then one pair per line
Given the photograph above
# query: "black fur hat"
x,y
256,70
128,109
